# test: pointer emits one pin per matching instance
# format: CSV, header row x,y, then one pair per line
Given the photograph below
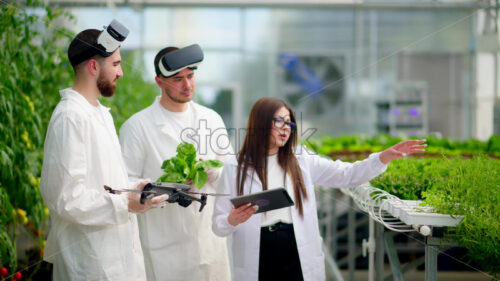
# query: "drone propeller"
x,y
119,191
209,194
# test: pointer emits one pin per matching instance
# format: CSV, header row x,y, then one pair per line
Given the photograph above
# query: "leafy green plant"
x,y
7,251
408,178
184,167
493,145
472,190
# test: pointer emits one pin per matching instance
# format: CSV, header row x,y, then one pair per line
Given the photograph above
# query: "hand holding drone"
x,y
178,172
176,193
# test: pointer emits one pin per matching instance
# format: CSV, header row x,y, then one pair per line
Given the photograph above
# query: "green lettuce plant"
x,y
184,168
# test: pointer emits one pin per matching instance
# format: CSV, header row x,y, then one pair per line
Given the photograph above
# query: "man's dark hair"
x,y
160,54
82,47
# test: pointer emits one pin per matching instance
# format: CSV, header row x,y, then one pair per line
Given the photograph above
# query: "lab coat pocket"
x,y
110,259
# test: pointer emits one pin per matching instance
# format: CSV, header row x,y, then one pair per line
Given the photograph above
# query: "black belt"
x,y
277,226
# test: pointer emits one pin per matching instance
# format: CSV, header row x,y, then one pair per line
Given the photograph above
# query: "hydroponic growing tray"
x,y
411,213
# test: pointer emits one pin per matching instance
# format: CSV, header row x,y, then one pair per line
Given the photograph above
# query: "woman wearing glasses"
x,y
284,244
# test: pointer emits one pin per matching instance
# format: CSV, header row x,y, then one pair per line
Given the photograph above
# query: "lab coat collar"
x,y
71,94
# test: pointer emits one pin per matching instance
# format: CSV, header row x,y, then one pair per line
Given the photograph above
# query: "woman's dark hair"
x,y
253,153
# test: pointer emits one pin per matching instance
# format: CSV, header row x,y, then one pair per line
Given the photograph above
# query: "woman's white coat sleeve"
x,y
341,174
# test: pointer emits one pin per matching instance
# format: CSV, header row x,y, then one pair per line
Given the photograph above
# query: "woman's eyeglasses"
x,y
280,123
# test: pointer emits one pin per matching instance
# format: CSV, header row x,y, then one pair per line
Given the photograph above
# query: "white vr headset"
x,y
111,37
174,62
107,42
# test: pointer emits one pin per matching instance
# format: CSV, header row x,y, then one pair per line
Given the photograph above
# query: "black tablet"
x,y
268,200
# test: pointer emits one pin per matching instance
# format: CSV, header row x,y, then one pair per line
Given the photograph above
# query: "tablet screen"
x,y
268,200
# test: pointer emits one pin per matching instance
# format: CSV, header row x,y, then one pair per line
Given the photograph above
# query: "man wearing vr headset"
x,y
93,235
178,243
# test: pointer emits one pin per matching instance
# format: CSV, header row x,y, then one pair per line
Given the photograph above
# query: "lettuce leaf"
x,y
184,167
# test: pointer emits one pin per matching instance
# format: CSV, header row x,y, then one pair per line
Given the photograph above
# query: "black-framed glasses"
x,y
280,123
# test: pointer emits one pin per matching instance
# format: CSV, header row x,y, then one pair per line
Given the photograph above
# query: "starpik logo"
x,y
208,139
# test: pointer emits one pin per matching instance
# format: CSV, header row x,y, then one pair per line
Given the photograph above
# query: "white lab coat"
x,y
92,235
178,242
246,236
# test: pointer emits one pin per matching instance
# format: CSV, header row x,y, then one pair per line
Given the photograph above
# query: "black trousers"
x,y
279,258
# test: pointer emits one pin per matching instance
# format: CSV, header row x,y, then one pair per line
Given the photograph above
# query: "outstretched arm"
x,y
330,173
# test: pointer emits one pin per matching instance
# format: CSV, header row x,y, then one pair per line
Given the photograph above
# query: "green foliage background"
x,y
33,66
409,178
472,189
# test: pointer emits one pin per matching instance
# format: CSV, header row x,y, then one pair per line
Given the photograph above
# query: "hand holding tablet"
x,y
268,200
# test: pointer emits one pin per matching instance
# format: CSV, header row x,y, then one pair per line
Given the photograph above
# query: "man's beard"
x,y
106,88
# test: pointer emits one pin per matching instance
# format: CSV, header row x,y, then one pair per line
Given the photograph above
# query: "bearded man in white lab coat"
x,y
178,242
93,235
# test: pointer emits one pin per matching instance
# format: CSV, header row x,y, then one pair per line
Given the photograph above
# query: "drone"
x,y
177,192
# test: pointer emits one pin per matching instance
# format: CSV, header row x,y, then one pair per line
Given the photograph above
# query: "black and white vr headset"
x,y
174,62
107,43
111,37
